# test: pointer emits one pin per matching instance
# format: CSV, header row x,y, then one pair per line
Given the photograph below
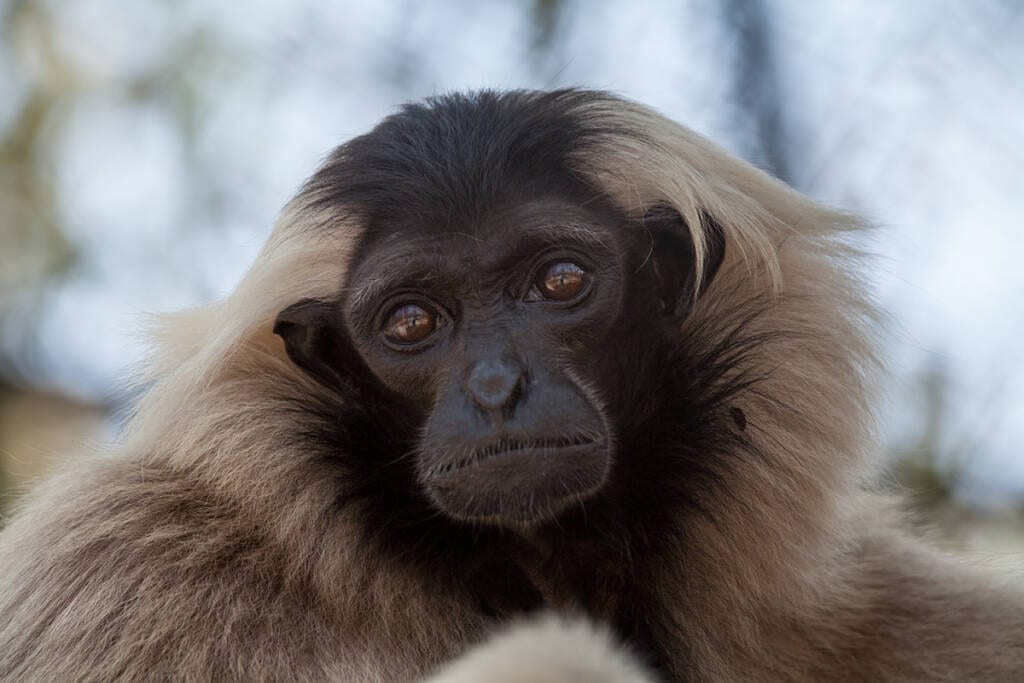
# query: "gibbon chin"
x,y
540,359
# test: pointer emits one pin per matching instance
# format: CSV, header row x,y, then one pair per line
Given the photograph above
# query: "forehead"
x,y
553,218
494,233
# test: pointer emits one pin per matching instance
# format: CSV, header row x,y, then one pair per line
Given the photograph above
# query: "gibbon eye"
x,y
562,281
409,323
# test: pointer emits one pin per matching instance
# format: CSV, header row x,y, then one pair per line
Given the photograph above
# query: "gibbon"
x,y
541,359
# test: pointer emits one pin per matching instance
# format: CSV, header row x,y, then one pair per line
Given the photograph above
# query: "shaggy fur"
x,y
236,534
550,651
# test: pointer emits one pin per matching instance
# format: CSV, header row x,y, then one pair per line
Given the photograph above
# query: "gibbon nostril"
x,y
493,384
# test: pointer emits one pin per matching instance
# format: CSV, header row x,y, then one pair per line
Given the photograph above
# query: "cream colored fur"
x,y
128,566
548,651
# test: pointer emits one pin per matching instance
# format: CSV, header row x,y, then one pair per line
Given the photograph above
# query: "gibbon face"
x,y
510,324
487,327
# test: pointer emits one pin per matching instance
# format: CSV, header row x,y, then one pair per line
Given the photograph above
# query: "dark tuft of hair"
x,y
447,159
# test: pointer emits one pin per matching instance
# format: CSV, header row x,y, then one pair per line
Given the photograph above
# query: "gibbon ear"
x,y
316,341
675,260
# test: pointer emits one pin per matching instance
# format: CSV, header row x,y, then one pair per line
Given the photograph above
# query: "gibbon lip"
x,y
520,481
509,445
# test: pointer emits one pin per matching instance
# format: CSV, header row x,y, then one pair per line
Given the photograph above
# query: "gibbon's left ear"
x,y
675,259
316,341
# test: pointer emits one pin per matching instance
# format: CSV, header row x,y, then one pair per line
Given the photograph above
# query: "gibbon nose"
x,y
495,384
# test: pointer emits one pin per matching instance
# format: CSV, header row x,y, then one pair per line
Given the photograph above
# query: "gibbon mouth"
x,y
520,482
508,445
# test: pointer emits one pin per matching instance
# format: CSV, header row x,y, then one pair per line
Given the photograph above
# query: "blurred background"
x,y
147,145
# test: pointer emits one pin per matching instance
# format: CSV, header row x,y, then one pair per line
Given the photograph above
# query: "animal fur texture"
x,y
549,651
211,544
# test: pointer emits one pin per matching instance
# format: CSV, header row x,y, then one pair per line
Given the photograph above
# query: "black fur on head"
x,y
618,387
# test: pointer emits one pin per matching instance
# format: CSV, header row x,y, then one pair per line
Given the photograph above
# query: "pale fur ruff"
x,y
787,245
221,405
810,411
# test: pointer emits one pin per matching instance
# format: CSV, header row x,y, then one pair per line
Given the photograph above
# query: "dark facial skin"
x,y
517,339
508,314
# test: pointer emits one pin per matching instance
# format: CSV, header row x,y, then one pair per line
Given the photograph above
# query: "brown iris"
x,y
562,281
409,323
